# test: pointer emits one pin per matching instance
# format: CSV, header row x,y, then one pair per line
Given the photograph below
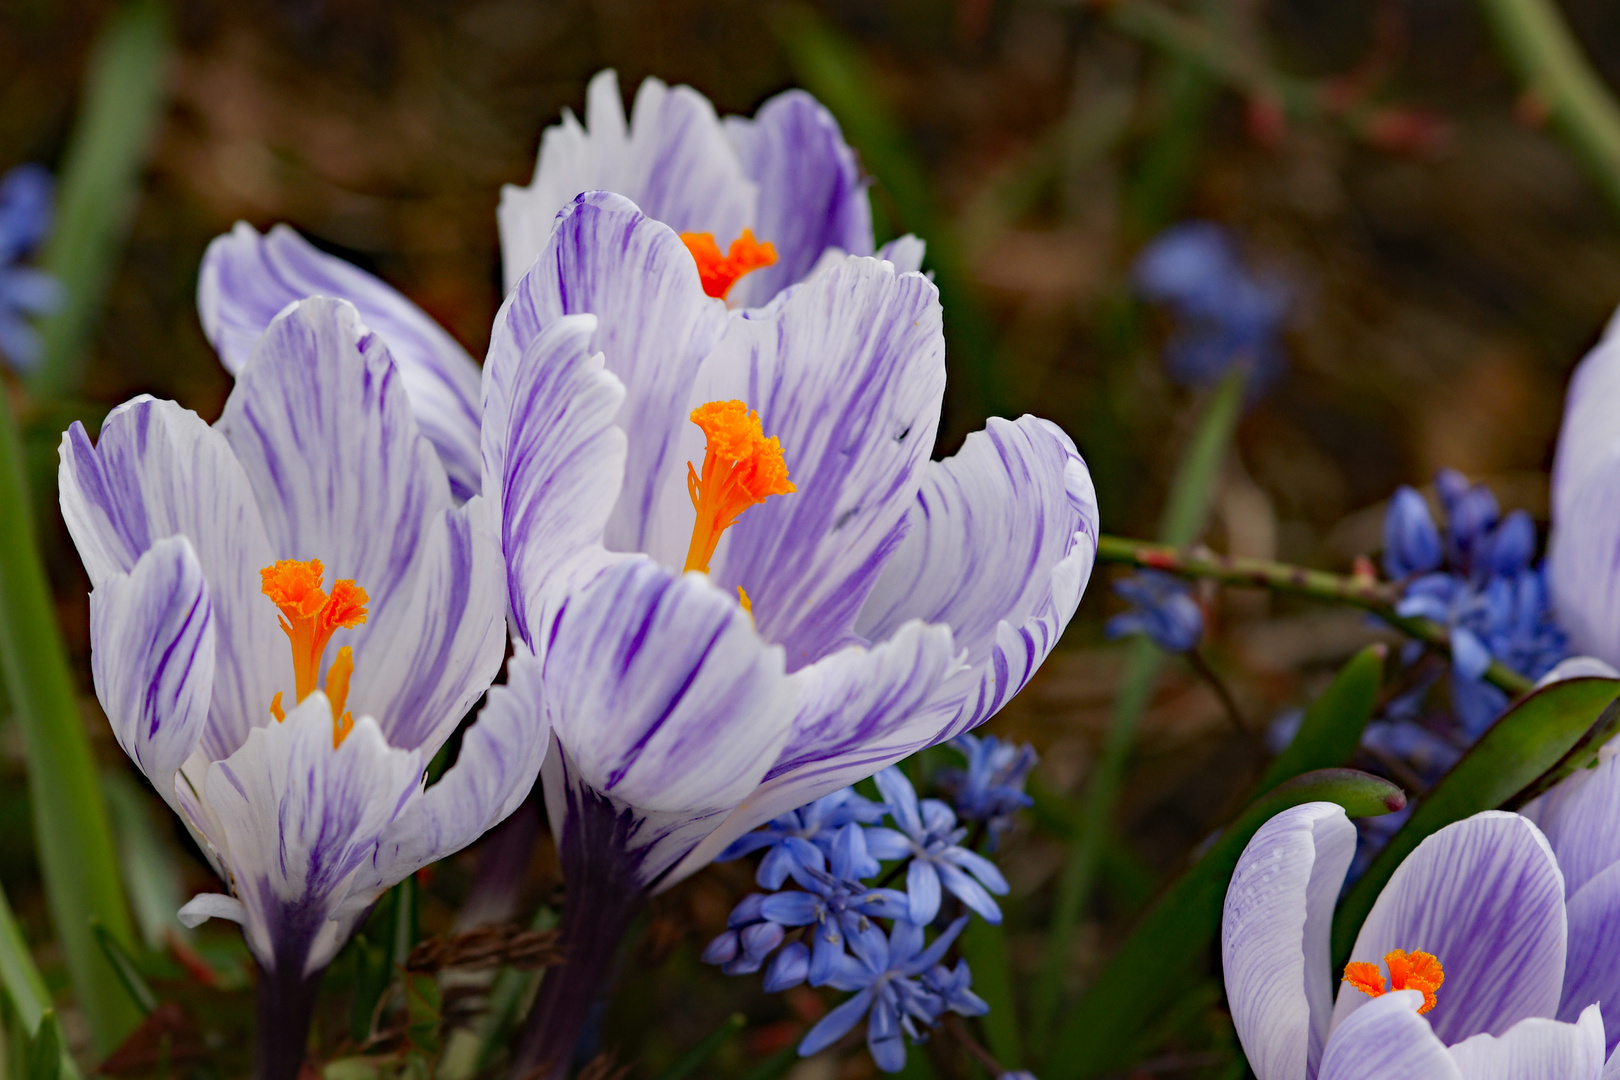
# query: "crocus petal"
x,y
810,192
157,471
553,458
295,817
922,885
1274,937
673,160
836,1023
848,375
654,327
905,252
664,700
1591,974
1388,1040
211,905
495,770
246,280
152,656
1003,538
1485,896
1578,818
1536,1049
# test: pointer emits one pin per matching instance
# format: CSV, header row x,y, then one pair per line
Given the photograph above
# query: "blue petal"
x,y
791,908
922,883
835,1024
787,968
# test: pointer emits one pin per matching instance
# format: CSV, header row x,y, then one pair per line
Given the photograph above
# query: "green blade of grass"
x,y
23,983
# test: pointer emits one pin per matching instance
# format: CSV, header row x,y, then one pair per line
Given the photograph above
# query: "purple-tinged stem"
x,y
286,1003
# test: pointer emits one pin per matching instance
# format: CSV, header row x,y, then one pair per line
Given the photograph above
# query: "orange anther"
x,y
309,618
1418,971
741,468
720,272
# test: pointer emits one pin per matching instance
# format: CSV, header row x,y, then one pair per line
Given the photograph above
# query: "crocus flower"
x,y
1494,938
929,837
781,192
313,514
748,584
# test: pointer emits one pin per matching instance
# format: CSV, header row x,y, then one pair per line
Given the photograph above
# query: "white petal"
x,y
1485,897
1274,937
1578,818
152,656
211,905
1536,1049
1388,1040
1591,977
247,280
906,252
1583,557
158,471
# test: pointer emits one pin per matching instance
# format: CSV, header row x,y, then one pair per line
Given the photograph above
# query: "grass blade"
x,y
23,984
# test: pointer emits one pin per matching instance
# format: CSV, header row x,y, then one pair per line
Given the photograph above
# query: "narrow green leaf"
x,y
1192,489
985,948
45,1049
147,858
128,974
1333,724
1583,755
123,96
689,1062
1159,959
20,977
1527,741
71,833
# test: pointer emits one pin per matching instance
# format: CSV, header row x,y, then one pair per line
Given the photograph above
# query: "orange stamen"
x,y
1418,971
741,468
309,618
720,272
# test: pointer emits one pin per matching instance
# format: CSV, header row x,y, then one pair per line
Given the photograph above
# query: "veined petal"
x,y
1536,1049
1578,818
247,280
494,772
1583,557
1591,976
553,458
848,375
1388,1040
296,816
1485,896
654,327
1274,937
673,160
159,471
810,192
152,656
1002,542
1589,434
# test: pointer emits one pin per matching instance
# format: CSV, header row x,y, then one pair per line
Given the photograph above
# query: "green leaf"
x,y
128,974
984,946
147,858
1192,490
71,832
124,95
1333,724
704,1050
1528,740
45,1049
1161,956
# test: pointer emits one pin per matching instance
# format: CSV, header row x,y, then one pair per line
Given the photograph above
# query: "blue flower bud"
x,y
1411,541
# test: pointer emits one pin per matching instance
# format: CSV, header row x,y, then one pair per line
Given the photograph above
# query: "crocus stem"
x,y
286,1003
1368,593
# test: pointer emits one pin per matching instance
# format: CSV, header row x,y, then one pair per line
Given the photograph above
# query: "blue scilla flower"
x,y
884,971
1162,607
991,789
1411,540
929,837
1225,314
748,939
802,837
25,219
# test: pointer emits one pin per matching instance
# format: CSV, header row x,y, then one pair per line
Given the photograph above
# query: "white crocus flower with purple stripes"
x,y
315,514
706,669
1498,938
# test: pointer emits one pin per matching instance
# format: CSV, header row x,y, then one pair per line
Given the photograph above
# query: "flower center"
x,y
309,617
1407,971
720,272
741,467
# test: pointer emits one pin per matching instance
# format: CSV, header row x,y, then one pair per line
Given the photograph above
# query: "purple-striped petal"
x,y
1578,818
673,160
247,280
664,701
811,196
159,471
1387,1040
1274,937
654,326
1536,1049
294,816
848,375
553,459
1591,975
152,657
1484,896
1003,538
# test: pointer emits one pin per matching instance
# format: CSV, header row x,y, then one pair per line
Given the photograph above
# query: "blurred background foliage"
x,y
1448,260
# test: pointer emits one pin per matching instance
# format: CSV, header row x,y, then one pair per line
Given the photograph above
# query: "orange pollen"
x,y
309,618
720,272
741,468
1419,971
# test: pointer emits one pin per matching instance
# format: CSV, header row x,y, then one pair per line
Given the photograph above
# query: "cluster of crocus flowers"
x,y
1495,934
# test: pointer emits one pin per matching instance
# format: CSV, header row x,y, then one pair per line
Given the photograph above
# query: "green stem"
x,y
1377,597
71,832
1556,73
